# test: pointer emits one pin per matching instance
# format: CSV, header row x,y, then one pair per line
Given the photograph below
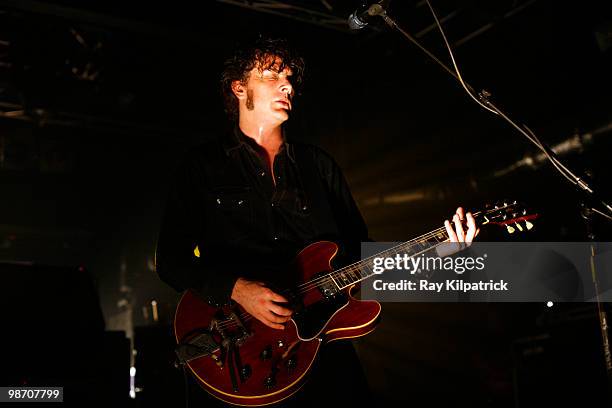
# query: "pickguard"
x,y
310,320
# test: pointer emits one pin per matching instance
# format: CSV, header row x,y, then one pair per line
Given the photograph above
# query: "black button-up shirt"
x,y
224,202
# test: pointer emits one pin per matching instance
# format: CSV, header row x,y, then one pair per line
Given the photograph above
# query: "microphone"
x,y
363,15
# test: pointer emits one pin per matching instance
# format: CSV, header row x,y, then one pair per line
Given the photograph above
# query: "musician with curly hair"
x,y
243,205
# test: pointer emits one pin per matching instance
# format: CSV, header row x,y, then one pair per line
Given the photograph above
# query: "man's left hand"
x,y
458,234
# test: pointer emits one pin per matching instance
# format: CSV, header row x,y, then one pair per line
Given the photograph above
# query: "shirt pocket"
x,y
295,202
230,213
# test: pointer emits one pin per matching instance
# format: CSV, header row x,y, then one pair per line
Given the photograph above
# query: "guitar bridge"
x,y
231,329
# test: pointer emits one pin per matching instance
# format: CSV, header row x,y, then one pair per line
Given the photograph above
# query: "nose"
x,y
287,88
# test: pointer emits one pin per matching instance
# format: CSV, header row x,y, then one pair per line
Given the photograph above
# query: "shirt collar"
x,y
237,139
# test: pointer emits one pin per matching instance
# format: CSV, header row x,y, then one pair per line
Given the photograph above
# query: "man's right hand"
x,y
261,303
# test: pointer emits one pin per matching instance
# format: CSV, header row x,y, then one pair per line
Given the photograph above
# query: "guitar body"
x,y
241,361
270,365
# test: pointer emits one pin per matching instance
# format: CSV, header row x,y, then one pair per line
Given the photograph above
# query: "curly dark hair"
x,y
259,54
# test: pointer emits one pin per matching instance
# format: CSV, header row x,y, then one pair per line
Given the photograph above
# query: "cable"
x,y
558,165
457,75
567,173
468,88
455,63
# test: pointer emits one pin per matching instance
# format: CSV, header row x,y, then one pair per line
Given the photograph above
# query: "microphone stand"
x,y
587,209
587,213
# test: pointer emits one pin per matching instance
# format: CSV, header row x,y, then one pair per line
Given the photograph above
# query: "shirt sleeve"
x,y
183,220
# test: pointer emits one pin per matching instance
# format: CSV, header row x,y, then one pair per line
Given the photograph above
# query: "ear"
x,y
239,89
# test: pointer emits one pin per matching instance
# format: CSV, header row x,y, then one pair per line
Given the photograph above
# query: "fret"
x,y
419,247
334,278
343,277
441,236
350,275
353,275
364,269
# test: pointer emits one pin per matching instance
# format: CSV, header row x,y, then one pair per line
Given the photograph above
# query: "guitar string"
x,y
337,274
310,285
431,234
246,316
315,283
422,238
425,236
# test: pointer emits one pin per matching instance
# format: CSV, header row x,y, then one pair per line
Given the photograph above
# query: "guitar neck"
x,y
362,270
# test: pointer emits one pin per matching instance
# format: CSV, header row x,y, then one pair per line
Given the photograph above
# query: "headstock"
x,y
510,214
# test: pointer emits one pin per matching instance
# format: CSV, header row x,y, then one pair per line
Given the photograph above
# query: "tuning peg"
x,y
518,226
510,229
528,225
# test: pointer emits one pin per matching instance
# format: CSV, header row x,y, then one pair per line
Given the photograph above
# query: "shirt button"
x,y
273,204
304,208
276,238
263,173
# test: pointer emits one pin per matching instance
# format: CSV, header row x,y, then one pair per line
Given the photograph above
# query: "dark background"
x,y
99,101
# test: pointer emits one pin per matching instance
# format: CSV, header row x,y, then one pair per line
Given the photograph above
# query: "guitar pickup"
x,y
327,287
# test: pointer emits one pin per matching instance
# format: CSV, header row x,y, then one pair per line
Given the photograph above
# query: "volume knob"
x,y
266,353
291,363
269,382
245,372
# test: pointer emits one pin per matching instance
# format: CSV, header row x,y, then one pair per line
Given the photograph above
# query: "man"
x,y
249,201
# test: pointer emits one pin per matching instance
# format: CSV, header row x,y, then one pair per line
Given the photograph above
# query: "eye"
x,y
270,75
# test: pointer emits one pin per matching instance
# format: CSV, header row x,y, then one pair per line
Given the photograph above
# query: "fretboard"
x,y
362,270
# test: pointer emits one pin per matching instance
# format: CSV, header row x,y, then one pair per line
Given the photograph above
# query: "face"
x,y
267,94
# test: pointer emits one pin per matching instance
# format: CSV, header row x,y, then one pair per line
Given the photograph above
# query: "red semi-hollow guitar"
x,y
239,360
